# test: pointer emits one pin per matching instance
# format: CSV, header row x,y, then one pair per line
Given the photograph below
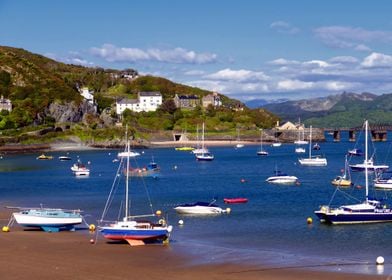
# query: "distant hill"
x,y
341,110
257,103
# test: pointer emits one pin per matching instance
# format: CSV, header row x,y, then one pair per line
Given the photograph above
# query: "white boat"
x,y
79,169
239,145
135,229
48,219
128,154
64,158
312,160
205,155
301,136
300,150
369,211
383,181
276,142
369,164
281,178
200,208
261,152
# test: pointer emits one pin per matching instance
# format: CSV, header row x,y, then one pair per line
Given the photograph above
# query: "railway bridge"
x,y
378,132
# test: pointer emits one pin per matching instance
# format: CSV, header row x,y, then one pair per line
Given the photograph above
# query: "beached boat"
x,y
205,155
200,208
44,157
79,169
235,200
134,229
261,151
48,219
345,179
281,178
315,160
369,211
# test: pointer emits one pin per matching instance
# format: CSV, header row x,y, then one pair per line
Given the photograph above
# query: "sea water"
x,y
270,229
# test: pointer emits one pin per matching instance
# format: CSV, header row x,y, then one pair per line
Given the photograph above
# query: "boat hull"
x,y
47,222
198,210
313,161
354,218
235,200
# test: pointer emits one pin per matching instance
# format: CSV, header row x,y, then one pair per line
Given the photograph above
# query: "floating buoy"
x,y
175,167
92,241
243,180
91,227
5,229
180,222
297,183
380,260
359,187
158,212
309,220
228,210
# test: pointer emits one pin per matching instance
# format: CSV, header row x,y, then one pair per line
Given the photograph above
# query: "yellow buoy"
x,y
309,220
5,229
158,212
228,210
91,227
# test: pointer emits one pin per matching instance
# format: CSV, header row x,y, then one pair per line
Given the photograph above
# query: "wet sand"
x,y
33,254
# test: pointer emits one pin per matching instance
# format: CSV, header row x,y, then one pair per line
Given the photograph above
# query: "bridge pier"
x,y
351,135
379,135
336,135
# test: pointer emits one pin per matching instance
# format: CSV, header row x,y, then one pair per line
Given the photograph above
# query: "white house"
x,y
87,94
146,101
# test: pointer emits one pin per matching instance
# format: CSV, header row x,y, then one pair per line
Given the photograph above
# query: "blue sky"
x,y
244,49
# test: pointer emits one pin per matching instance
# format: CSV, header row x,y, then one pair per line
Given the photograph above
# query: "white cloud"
x,y
282,61
284,27
194,73
112,53
237,75
293,85
70,58
346,37
375,60
344,59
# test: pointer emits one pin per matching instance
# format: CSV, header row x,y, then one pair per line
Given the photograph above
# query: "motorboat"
x,y
316,147
384,181
128,154
281,178
369,211
64,158
369,164
355,152
200,208
300,150
44,157
79,169
48,219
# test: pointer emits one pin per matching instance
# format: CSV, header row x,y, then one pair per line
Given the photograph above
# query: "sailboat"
x,y
136,230
239,144
369,211
199,149
205,155
261,152
301,136
345,179
276,141
312,161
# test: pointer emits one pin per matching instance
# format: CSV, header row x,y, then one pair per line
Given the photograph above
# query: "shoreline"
x,y
70,255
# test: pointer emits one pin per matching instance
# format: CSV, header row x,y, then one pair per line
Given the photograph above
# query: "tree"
x,y
168,106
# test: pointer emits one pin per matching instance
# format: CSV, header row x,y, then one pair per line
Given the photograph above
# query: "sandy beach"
x,y
34,254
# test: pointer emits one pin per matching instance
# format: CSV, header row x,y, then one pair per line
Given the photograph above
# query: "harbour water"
x,y
270,229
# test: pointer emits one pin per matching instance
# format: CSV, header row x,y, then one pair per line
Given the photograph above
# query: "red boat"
x,y
235,200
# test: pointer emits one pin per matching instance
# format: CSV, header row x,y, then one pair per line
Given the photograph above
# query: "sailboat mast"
x,y
202,139
310,142
127,185
366,161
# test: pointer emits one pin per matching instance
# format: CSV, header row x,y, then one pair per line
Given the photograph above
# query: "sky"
x,y
244,49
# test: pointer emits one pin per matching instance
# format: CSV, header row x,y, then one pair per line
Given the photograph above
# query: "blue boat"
x,y
135,229
369,211
48,219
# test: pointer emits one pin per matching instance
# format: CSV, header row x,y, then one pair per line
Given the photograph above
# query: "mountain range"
x,y
341,110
